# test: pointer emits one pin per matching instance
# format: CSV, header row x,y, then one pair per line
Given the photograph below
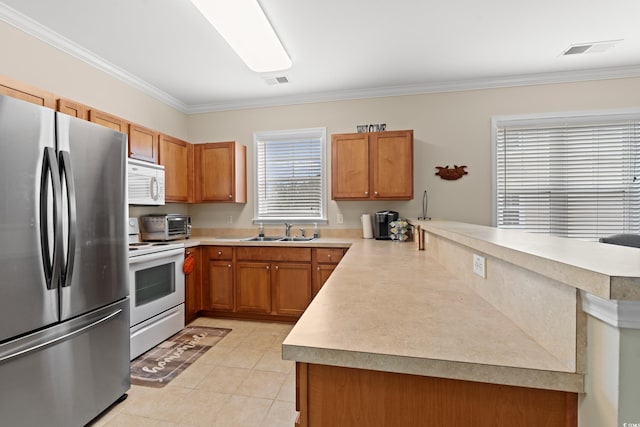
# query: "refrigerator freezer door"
x,y
92,159
67,374
25,302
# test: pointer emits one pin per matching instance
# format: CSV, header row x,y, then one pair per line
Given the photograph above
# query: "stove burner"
x,y
160,244
133,249
138,244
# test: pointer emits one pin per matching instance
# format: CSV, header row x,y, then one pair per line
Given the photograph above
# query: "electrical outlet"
x,y
479,266
339,218
230,219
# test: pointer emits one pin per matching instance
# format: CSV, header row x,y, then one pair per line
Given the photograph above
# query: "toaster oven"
x,y
165,227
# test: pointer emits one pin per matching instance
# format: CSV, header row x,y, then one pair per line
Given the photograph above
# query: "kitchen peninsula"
x,y
404,337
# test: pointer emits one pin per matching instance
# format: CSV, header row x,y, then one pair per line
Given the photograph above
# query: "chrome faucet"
x,y
287,229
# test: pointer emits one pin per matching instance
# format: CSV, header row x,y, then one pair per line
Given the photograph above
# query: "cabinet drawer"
x,y
273,254
220,252
329,256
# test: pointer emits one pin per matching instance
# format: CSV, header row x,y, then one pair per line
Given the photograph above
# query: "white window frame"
x,y
572,116
291,134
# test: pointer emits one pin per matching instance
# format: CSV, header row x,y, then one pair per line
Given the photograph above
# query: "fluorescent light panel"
x,y
243,24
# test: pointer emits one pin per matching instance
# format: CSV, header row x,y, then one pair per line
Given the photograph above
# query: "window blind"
x,y
289,177
572,178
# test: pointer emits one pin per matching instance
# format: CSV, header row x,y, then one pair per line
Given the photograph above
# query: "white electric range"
x,y
157,289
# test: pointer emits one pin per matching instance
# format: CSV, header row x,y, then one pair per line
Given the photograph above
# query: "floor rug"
x,y
164,362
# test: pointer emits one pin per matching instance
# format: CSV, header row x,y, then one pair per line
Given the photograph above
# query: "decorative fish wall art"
x,y
451,174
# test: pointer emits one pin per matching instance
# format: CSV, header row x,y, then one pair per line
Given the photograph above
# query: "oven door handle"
x,y
156,255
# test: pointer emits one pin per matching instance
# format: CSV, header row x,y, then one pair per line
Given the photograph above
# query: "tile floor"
x,y
240,382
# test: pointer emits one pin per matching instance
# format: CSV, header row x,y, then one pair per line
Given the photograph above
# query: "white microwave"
x,y
145,183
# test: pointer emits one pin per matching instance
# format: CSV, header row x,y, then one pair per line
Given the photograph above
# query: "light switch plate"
x,y
479,266
339,218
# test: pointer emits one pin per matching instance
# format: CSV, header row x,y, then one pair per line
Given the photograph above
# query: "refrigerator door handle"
x,y
60,338
65,169
51,264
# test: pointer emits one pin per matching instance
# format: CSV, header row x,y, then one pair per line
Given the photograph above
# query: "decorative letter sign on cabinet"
x,y
372,166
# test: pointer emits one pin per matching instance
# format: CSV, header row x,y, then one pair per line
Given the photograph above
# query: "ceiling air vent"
x,y
276,80
590,47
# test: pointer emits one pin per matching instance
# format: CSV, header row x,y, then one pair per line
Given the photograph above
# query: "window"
x,y
290,184
573,176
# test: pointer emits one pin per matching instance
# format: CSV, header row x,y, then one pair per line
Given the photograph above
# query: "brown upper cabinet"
x,y
72,108
177,158
108,120
16,89
372,166
220,172
143,143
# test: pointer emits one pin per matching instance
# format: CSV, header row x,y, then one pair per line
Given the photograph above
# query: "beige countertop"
x,y
392,308
608,271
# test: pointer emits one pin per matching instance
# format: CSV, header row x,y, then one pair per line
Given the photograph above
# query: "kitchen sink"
x,y
297,239
279,239
265,239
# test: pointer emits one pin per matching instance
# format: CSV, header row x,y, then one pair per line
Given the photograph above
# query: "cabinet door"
x,y
253,287
71,108
291,288
220,287
216,172
193,284
392,165
177,158
107,120
19,90
350,166
143,143
321,274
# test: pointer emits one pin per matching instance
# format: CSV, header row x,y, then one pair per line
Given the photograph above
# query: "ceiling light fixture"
x,y
243,24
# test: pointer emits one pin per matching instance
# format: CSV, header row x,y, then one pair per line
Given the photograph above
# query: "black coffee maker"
x,y
381,224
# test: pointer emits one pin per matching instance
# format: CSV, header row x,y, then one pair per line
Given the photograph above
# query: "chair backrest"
x,y
626,239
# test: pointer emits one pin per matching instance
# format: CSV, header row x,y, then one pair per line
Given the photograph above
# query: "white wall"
x,y
34,62
449,128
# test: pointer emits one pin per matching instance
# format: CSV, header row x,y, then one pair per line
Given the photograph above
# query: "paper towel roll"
x,y
367,228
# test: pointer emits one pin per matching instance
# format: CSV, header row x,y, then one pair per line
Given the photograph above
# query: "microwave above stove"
x,y
165,227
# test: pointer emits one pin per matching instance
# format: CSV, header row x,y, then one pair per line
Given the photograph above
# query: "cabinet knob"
x,y
268,267
228,265
375,193
276,267
219,253
318,268
366,193
231,196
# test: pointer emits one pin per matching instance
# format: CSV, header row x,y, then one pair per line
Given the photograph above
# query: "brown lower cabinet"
x,y
269,283
345,397
325,260
193,285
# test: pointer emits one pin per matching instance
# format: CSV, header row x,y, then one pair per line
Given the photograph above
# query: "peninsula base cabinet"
x,y
349,397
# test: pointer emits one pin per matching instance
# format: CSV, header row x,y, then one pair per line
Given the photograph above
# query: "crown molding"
x,y
419,89
619,314
35,29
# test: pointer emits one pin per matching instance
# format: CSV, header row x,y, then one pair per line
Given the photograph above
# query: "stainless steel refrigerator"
x,y
64,306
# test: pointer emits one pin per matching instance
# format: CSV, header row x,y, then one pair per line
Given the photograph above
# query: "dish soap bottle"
x,y
261,230
316,233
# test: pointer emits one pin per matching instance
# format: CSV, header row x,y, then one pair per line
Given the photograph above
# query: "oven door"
x,y
157,283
